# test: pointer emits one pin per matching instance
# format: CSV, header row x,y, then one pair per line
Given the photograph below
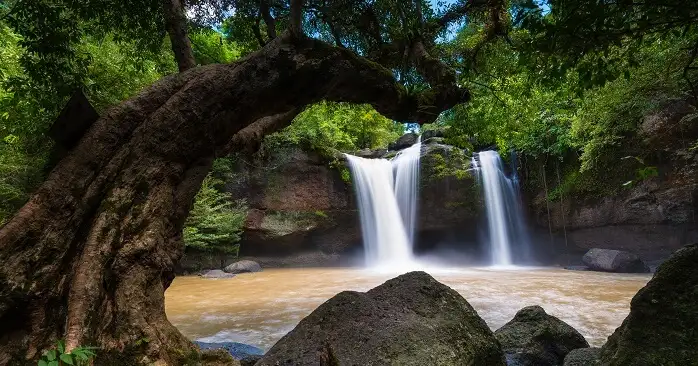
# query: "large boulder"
x,y
216,273
243,266
408,320
583,357
662,327
534,338
609,260
403,141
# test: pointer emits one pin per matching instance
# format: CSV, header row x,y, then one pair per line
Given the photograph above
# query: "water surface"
x,y
259,308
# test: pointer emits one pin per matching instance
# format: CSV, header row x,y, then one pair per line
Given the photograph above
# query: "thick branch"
x,y
296,18
257,33
250,138
176,25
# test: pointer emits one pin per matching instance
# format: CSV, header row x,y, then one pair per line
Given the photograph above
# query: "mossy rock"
x,y
411,320
662,327
583,357
534,338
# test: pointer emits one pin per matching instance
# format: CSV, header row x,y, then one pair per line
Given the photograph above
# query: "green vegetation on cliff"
x,y
574,113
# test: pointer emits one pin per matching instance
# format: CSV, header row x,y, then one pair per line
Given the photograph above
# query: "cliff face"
x,y
653,217
298,203
302,202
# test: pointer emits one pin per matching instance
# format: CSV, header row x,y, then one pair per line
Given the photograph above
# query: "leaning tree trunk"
x,y
89,257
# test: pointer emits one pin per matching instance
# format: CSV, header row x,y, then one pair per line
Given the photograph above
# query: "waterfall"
x,y
406,168
386,194
502,202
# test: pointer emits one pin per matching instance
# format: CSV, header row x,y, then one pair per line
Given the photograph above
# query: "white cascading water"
x,y
502,203
406,168
387,198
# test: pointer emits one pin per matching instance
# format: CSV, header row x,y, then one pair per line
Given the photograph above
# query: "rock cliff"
x,y
652,217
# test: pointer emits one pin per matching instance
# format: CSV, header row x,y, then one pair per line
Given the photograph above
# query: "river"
x,y
259,308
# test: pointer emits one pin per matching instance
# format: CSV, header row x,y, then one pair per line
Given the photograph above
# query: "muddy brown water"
x,y
259,308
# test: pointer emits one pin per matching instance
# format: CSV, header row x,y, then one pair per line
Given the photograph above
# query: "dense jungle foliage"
x,y
565,88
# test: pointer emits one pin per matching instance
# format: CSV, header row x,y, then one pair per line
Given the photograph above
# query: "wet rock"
x,y
439,132
534,338
408,320
433,140
239,351
217,273
583,357
371,154
243,266
403,141
609,260
661,327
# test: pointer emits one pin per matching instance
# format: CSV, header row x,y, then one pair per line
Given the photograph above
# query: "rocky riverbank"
x,y
415,320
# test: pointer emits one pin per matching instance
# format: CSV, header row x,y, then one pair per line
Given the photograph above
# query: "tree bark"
x,y
89,257
176,25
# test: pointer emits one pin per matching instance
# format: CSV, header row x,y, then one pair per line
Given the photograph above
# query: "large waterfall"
x,y
503,205
387,198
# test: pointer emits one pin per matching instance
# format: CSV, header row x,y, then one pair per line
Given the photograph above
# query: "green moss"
x,y
442,164
282,223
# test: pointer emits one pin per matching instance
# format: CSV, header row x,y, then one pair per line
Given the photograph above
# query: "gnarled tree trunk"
x,y
89,257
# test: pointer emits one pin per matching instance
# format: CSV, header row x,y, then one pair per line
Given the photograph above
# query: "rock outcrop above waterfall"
x,y
534,338
609,260
403,142
663,321
408,320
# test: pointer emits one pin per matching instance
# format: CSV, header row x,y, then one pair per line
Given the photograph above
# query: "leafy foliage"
x,y
79,356
215,220
337,126
583,126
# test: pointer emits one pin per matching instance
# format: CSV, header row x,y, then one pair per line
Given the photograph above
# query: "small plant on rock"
x,y
59,357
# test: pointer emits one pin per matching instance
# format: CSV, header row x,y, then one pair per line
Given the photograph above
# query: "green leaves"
x,y
215,220
338,126
79,356
66,358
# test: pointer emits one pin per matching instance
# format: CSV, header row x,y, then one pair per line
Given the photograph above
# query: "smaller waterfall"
x,y
502,202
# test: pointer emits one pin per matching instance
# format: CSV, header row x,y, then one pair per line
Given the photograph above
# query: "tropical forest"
x,y
349,182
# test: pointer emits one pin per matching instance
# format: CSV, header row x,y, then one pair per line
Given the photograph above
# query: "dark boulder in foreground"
x,y
583,357
534,338
243,266
408,320
609,260
403,142
662,327
239,351
216,273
